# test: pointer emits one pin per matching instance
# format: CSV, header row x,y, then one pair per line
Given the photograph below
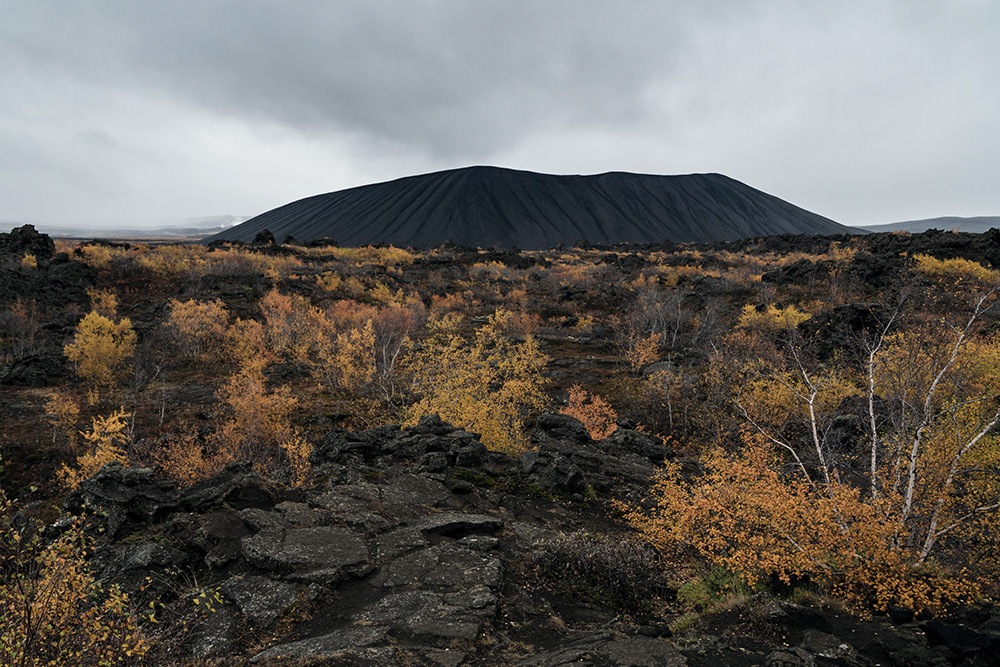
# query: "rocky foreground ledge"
x,y
420,547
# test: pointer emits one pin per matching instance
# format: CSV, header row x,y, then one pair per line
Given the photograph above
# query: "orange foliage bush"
x,y
291,324
199,326
360,346
184,460
592,411
297,451
258,424
743,515
452,302
246,343
349,314
640,351
104,302
924,499
354,357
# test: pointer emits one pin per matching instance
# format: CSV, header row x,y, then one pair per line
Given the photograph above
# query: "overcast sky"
x,y
132,112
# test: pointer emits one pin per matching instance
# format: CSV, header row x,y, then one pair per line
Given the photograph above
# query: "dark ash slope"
x,y
495,207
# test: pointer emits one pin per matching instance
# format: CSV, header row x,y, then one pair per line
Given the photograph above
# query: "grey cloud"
x,y
452,78
865,112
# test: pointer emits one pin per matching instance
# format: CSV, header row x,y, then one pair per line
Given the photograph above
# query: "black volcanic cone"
x,y
505,208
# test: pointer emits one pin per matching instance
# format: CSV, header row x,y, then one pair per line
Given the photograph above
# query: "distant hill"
x,y
976,225
495,207
185,228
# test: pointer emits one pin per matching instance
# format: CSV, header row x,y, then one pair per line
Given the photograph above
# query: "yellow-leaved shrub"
x,y
484,385
101,349
199,326
62,412
955,270
771,318
258,425
104,444
53,613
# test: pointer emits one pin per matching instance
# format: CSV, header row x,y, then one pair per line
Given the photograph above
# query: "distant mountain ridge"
x,y
497,207
165,229
974,225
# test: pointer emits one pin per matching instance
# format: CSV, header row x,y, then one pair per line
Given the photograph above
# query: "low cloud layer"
x,y
139,112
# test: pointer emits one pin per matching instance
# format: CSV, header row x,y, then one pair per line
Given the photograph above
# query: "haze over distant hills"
x,y
496,207
191,228
976,225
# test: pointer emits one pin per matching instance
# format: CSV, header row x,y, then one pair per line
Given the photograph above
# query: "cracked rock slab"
x,y
422,613
445,566
318,548
606,650
363,642
261,600
459,523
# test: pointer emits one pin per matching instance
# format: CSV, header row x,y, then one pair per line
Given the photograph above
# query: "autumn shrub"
x,y
380,256
955,270
353,287
185,460
62,412
354,357
52,610
101,349
292,324
743,516
901,512
198,326
617,571
257,424
329,281
103,301
297,450
100,255
523,323
595,413
771,318
176,261
346,314
676,401
640,350
246,343
19,326
393,327
382,294
459,302
359,349
104,443
235,261
655,319
484,384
